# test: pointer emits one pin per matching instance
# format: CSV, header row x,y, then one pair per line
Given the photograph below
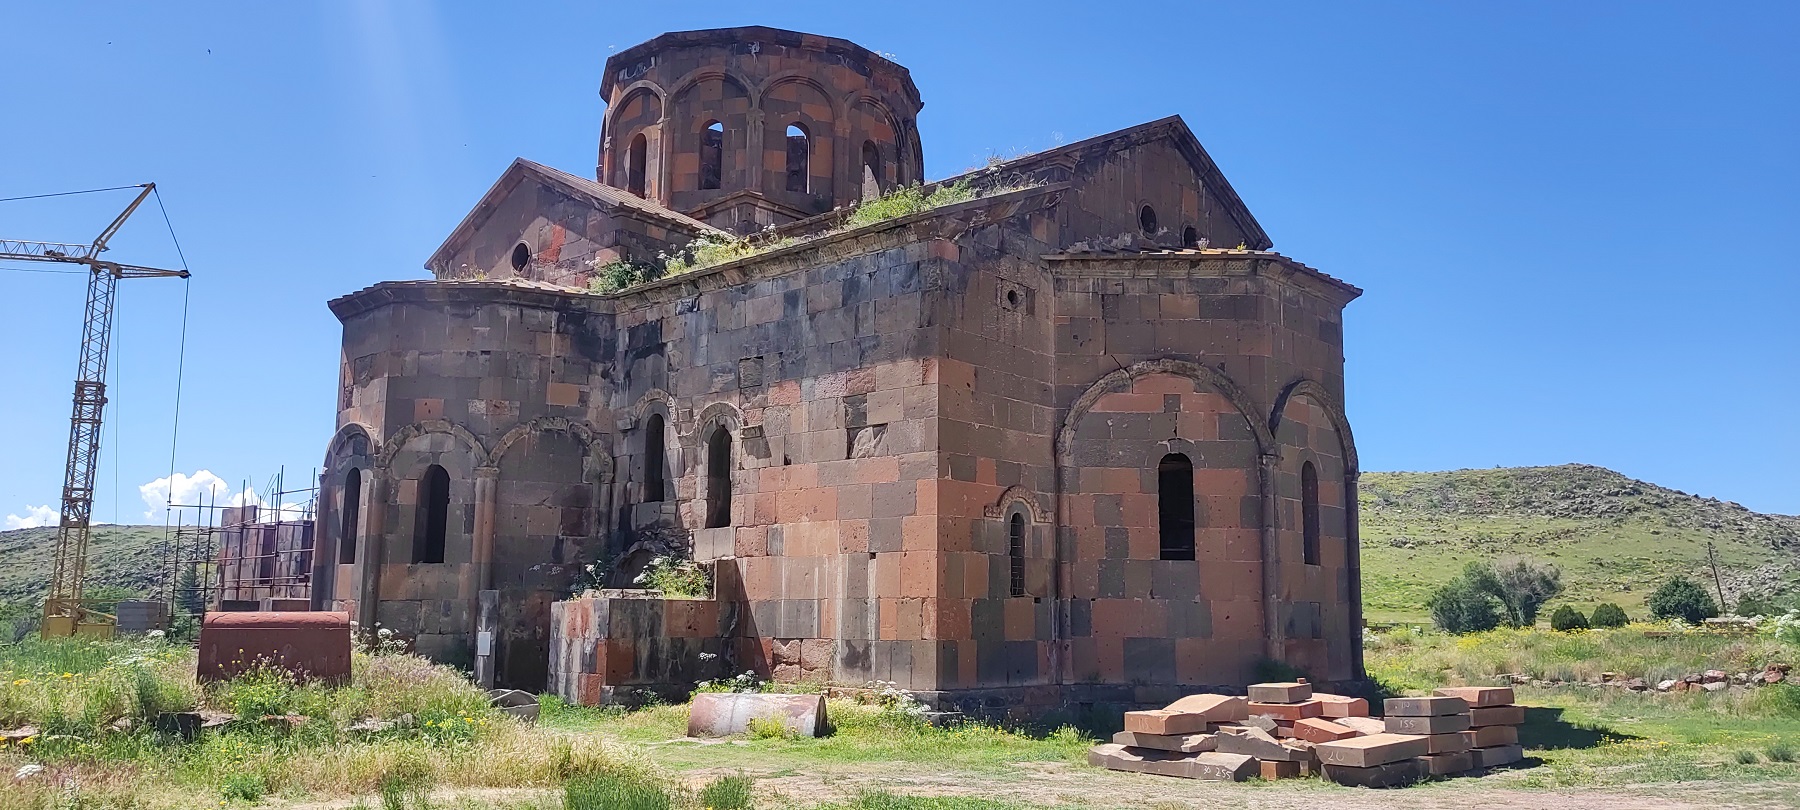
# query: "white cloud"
x,y
34,517
183,490
187,491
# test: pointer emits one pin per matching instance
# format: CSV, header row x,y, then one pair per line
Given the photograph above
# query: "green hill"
x,y
1615,538
127,557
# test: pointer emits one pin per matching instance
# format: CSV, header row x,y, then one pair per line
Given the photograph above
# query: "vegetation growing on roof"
x,y
718,248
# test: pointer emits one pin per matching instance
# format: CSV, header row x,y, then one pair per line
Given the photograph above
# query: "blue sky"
x,y
1575,222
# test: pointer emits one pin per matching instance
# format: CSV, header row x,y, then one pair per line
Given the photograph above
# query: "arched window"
x,y
1309,513
637,162
1147,220
352,515
871,173
653,458
712,155
799,152
434,515
1175,506
1190,237
1015,549
718,478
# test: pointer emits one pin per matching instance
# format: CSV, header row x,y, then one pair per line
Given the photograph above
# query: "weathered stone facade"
x,y
1043,447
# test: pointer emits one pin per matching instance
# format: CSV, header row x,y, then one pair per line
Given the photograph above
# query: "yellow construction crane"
x,y
64,613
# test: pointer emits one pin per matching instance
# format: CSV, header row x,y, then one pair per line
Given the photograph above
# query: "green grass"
x,y
1604,736
95,704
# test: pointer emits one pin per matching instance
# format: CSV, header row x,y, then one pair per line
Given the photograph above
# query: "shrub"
x,y
1746,757
1680,598
908,200
1752,604
249,787
678,578
1609,615
1522,585
615,792
728,793
1567,618
1779,752
1461,607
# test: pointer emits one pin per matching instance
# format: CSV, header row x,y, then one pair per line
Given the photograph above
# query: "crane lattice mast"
x,y
63,612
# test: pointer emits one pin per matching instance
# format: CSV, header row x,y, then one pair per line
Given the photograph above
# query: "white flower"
x,y
28,771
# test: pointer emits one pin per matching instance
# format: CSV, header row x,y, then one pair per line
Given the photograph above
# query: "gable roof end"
x,y
600,195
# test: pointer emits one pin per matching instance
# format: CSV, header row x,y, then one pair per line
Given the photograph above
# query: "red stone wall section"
x,y
1315,600
1134,617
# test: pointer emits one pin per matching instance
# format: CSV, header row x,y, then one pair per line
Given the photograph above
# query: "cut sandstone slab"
x,y
1496,756
1438,724
1291,692
1213,708
1287,711
1363,725
1320,730
1178,743
1341,706
1373,750
1423,706
1255,742
1392,774
1478,696
1164,722
1496,716
1492,736
1448,763
1279,769
1447,743
1210,765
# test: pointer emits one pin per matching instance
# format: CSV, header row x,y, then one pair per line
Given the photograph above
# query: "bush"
x,y
1567,618
1461,607
676,578
1609,615
728,793
1752,604
248,787
1522,585
1680,598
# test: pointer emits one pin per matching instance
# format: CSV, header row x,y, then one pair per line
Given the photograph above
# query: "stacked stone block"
x,y
1181,740
1438,720
1492,737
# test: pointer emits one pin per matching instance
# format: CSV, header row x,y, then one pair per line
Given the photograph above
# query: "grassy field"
x,y
89,705
1614,538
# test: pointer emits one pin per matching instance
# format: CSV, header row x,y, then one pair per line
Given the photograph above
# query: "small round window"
x,y
521,256
1147,219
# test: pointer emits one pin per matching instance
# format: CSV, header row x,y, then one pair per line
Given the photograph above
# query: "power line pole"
x,y
1712,556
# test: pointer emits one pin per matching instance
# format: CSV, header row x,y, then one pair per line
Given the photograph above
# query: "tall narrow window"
x,y
718,478
799,152
871,173
1015,549
712,155
637,163
352,515
653,458
1175,506
1309,513
434,516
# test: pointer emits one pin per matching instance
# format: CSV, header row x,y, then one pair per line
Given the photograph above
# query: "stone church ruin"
x,y
1077,440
